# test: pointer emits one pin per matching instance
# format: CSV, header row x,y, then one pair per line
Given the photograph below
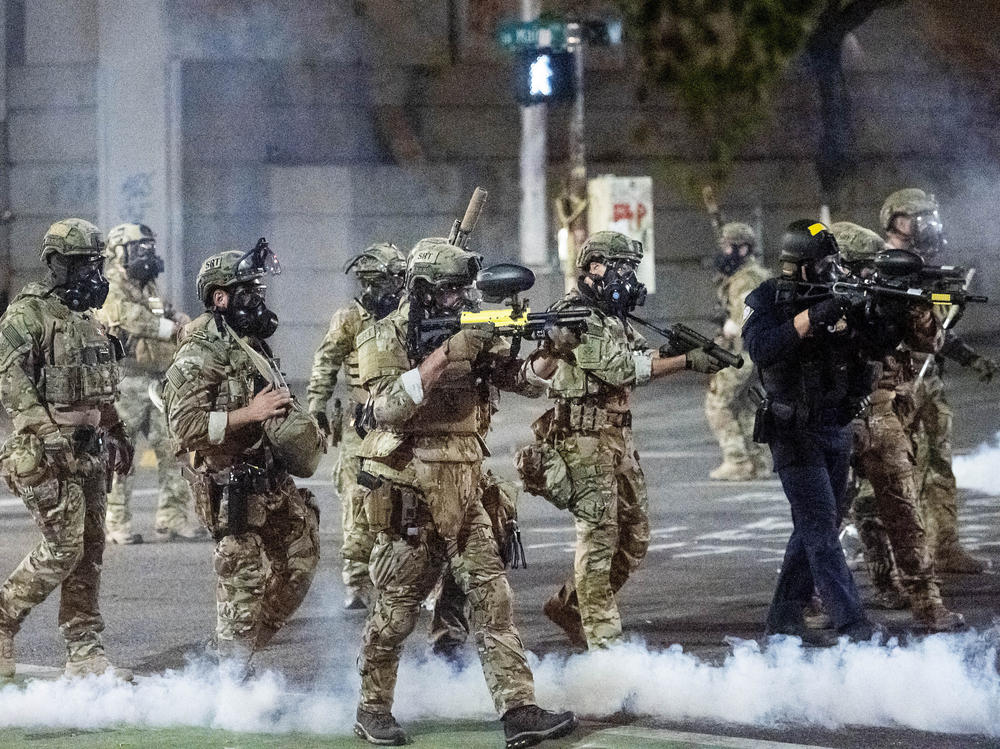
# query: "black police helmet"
x,y
805,241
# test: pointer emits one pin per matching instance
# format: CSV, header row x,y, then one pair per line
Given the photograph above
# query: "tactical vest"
x,y
79,368
608,342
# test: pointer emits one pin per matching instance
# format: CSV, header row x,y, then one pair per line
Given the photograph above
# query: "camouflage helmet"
x,y
437,262
608,245
124,234
220,271
379,259
907,202
72,236
857,244
736,232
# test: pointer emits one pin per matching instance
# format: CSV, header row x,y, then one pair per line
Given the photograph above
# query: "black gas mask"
x,y
825,270
142,264
247,312
380,294
78,280
452,299
727,263
618,291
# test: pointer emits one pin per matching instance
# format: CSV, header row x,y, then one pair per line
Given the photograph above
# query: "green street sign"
x,y
529,35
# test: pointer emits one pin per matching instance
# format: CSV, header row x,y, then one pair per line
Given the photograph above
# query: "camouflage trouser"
x,y
405,571
263,574
730,414
141,417
450,621
610,507
938,492
68,508
357,541
889,513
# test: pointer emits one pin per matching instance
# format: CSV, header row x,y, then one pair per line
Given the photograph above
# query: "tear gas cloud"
x,y
978,469
946,683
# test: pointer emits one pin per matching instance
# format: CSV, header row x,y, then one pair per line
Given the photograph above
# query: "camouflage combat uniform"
x,y
265,565
134,313
590,430
728,407
427,456
890,513
337,350
58,374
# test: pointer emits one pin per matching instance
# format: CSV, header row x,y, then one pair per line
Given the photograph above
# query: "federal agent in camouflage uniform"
x,y
224,397
58,381
888,518
380,270
585,458
728,407
423,463
147,328
911,222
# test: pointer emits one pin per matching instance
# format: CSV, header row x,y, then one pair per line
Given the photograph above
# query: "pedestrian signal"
x,y
543,75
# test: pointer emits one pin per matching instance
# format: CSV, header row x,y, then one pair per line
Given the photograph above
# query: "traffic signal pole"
x,y
533,220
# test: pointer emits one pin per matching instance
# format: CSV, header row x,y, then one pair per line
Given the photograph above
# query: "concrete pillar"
x,y
137,102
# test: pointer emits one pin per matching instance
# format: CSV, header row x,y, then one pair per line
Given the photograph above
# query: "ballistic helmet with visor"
x,y
378,261
72,236
437,263
602,246
910,201
125,234
232,267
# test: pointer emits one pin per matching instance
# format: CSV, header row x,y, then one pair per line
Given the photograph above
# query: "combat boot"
x,y
953,558
742,470
567,620
186,532
122,536
7,664
528,725
890,599
236,653
96,665
929,610
379,728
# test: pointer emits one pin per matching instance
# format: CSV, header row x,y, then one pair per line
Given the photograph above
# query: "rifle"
x,y
501,283
907,269
681,339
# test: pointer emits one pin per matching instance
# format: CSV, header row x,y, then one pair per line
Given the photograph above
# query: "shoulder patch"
x,y
12,336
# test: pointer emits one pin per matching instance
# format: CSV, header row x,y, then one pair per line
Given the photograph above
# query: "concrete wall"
x,y
279,136
52,119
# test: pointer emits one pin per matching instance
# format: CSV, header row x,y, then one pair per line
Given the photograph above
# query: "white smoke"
x,y
978,470
946,683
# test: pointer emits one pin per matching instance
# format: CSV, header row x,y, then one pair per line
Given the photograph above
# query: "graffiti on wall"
x,y
135,197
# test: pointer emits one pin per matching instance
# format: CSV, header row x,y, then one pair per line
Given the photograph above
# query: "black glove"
x,y
828,311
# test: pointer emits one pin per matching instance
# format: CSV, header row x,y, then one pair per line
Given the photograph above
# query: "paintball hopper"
x,y
503,281
900,263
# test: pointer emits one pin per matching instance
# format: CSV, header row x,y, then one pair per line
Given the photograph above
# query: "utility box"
x,y
625,204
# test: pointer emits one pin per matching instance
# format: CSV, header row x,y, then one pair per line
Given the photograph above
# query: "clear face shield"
x,y
927,233
457,297
257,261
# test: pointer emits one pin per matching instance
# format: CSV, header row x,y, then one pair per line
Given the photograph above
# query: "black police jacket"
x,y
812,383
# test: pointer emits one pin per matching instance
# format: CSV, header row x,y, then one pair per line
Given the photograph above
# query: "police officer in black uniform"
x,y
807,345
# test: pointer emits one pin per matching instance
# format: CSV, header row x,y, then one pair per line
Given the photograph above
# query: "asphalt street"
x,y
715,551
